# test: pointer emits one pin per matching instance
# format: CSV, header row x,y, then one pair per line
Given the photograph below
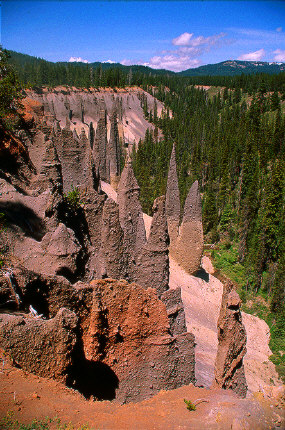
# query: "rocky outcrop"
x,y
75,156
128,341
229,370
187,247
42,347
128,331
112,256
131,217
50,174
153,262
175,310
124,333
172,202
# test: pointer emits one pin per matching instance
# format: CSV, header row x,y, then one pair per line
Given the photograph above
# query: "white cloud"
x,y
109,61
184,55
186,39
279,29
173,62
279,55
253,56
77,60
182,40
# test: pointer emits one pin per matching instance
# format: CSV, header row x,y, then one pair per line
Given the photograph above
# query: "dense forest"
x,y
230,137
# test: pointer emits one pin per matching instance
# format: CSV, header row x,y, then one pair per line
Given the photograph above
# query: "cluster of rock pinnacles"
x,y
114,328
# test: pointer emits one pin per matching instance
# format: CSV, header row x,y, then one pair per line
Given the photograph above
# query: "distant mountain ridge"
x,y
235,67
224,68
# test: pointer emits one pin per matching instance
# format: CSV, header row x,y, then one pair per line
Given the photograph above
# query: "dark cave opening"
x,y
92,378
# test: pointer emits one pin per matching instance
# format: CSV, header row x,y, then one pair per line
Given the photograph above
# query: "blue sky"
x,y
172,35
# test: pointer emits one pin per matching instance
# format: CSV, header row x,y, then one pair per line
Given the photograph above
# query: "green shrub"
x,y
73,198
190,406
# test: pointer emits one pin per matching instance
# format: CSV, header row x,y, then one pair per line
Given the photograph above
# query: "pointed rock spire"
x,y
193,204
130,213
67,123
56,127
188,248
172,202
112,252
74,134
153,261
114,149
50,172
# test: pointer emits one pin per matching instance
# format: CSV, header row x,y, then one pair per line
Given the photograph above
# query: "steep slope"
x,y
82,107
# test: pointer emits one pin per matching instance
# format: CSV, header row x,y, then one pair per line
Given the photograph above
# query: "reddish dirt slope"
x,y
32,397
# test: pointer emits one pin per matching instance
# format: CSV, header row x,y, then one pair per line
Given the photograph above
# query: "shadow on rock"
x,y
16,213
202,274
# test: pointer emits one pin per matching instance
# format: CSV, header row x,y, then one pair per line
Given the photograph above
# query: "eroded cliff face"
x,y
63,235
82,107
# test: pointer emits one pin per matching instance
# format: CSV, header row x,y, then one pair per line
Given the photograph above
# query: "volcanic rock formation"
x,y
153,262
124,333
117,340
131,217
172,203
186,241
229,370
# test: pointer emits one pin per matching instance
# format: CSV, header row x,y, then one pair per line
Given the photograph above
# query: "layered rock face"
x,y
186,240
85,106
229,370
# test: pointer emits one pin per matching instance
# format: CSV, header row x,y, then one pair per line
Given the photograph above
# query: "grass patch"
x,y
226,261
10,423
